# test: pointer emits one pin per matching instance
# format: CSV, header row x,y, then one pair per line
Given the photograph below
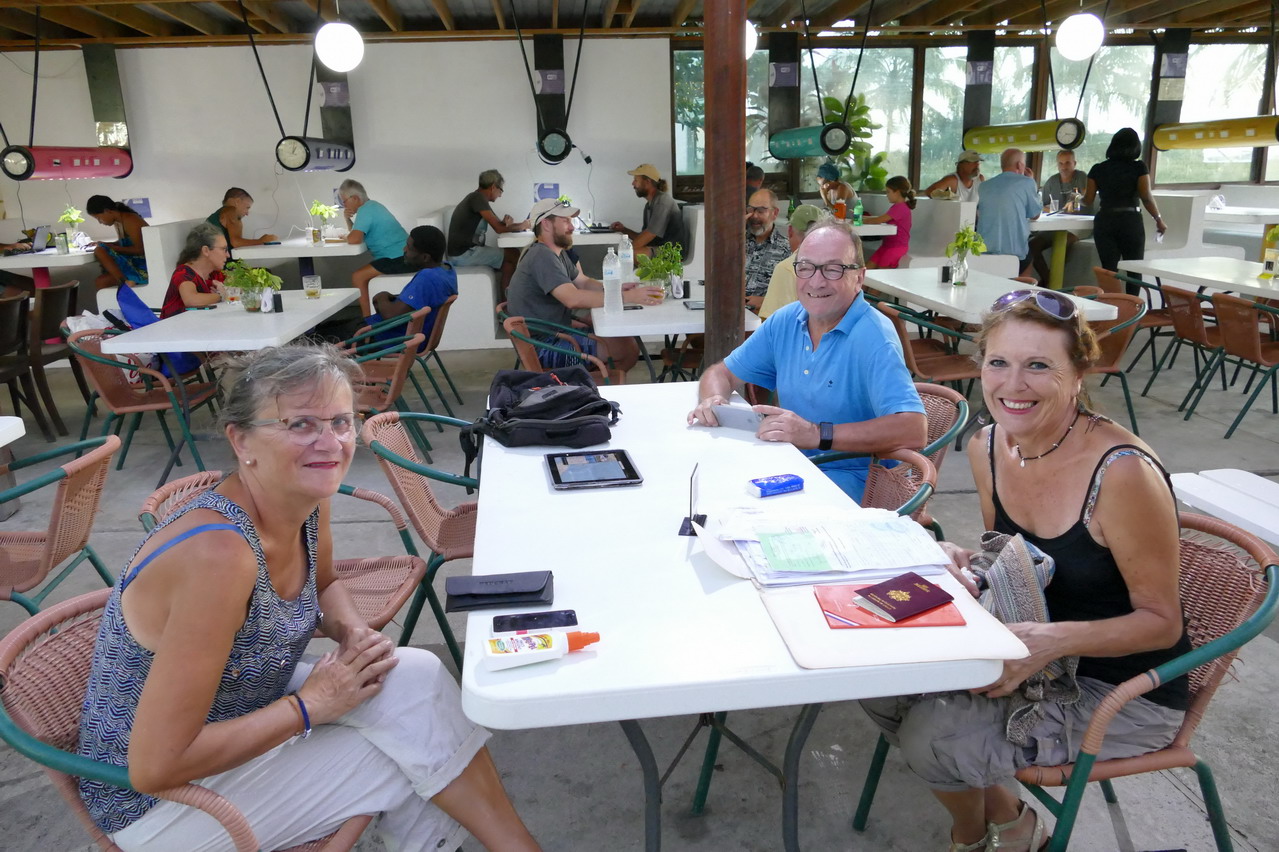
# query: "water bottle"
x,y
626,255
612,283
857,211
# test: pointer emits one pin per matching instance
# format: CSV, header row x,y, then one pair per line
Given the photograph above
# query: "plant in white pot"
x,y
252,282
664,268
71,218
324,214
967,242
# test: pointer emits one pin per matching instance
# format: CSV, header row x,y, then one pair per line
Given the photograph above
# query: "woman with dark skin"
x,y
123,261
1123,181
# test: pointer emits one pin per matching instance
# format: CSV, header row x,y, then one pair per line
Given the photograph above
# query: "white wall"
x,y
428,118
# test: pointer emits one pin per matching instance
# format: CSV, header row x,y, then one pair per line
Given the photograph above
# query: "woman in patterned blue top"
x,y
198,672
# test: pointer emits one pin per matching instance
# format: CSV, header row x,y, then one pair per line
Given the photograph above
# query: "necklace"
x,y
1024,459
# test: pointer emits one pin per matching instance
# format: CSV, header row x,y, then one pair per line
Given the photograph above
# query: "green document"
x,y
796,552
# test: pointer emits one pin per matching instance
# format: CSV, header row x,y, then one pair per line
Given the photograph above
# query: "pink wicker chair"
x,y
44,670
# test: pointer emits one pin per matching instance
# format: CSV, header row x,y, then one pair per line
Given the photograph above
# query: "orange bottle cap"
x,y
577,640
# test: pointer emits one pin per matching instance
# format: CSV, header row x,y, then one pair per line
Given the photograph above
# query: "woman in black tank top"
x,y
1091,495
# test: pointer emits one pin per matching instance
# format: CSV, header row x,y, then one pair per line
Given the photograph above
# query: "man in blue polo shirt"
x,y
372,224
1006,204
835,362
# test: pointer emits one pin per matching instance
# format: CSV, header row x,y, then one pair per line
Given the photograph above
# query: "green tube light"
x,y
1253,132
826,140
1063,133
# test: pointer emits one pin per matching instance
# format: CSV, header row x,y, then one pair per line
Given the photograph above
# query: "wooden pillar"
x,y
725,45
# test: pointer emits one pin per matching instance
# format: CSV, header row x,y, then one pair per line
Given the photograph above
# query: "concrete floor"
x,y
579,787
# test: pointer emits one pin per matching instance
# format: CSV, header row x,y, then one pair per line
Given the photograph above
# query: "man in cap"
x,y
781,287
835,362
963,184
663,222
832,189
470,222
549,285
766,244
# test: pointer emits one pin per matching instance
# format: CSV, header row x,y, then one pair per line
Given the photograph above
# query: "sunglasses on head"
x,y
1055,305
559,205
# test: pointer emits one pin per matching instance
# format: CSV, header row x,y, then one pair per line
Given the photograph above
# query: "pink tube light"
x,y
45,162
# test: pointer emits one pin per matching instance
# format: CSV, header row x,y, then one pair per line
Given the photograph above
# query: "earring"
x,y
248,462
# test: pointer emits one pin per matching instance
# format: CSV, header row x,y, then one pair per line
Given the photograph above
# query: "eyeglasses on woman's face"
x,y
830,271
306,429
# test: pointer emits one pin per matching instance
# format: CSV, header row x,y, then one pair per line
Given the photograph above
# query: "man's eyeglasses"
x,y
559,205
1055,305
830,271
305,430
763,211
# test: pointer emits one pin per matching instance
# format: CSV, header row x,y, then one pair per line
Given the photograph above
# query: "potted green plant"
x,y
251,281
71,218
664,268
967,241
325,213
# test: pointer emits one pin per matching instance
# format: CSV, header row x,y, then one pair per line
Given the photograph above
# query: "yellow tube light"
x,y
1253,132
1064,133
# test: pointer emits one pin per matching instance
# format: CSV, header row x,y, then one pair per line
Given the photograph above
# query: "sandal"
x,y
979,846
1036,840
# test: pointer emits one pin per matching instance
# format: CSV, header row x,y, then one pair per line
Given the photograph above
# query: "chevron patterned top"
x,y
264,654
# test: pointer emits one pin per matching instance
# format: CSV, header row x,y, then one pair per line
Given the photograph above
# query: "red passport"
x,y
843,606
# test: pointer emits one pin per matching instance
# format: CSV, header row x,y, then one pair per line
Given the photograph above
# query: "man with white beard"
x,y
766,245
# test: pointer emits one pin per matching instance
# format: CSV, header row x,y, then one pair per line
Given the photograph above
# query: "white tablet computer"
x,y
591,469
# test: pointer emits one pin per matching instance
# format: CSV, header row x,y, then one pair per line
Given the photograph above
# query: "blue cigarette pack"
x,y
768,486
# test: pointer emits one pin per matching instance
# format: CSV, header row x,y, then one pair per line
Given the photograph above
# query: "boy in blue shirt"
x,y
431,287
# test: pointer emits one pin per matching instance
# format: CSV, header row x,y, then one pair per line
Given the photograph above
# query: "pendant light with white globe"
x,y
339,45
752,39
1080,36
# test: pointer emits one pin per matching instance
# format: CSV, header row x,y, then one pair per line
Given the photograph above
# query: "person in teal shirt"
x,y
372,224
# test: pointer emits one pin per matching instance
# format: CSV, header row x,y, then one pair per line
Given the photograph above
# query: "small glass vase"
x,y
251,300
959,271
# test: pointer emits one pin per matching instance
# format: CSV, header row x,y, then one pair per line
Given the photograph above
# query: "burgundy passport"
x,y
901,597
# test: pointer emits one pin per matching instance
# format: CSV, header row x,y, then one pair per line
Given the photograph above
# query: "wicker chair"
x,y
1157,320
50,308
383,366
15,360
528,349
449,533
379,585
44,670
432,350
1229,595
1242,338
1114,337
27,557
1189,329
929,359
383,389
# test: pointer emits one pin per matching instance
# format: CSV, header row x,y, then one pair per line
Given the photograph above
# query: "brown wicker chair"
x,y
1114,337
46,345
929,359
44,670
15,360
1190,329
527,347
1229,595
1156,320
379,585
449,533
904,488
1242,338
27,557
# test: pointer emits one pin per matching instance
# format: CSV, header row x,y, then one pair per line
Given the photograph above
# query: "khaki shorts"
x,y
955,740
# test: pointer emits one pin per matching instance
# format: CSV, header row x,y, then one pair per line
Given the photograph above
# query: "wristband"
x,y
826,431
306,717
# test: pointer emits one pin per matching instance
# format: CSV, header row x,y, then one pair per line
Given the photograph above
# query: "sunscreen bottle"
x,y
507,652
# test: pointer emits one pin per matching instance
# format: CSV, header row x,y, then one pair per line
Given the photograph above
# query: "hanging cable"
x,y
4,135
577,64
253,43
861,52
808,38
310,83
35,83
1052,86
528,71
1104,13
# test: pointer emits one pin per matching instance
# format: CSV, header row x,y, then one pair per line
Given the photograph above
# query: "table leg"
x,y
1057,269
306,265
1265,229
652,786
790,768
652,373
40,275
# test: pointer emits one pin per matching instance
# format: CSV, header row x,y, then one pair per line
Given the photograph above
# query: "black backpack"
x,y
559,408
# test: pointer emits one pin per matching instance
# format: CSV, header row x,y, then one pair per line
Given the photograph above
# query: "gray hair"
x,y
250,380
491,177
350,187
842,228
202,236
767,193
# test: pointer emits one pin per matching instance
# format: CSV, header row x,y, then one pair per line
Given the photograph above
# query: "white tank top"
x,y
966,193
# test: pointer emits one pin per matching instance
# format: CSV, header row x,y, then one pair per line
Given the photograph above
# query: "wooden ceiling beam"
x,y
785,12
19,21
1206,11
132,16
446,15
939,13
87,22
838,11
498,14
268,12
630,16
609,13
389,14
555,14
196,19
255,21
682,11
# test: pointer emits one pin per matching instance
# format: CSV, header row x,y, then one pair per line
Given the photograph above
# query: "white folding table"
x,y
11,429
1059,225
520,239
921,286
1246,500
40,262
678,634
302,249
1218,273
1263,217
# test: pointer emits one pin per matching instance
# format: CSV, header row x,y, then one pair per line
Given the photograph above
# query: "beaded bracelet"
x,y
306,717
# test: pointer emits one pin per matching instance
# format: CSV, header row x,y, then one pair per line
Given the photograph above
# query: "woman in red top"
x,y
197,282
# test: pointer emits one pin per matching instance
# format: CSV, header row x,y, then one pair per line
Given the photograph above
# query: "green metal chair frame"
x,y
426,590
1207,664
1120,331
100,451
1156,331
399,347
366,340
591,363
1223,354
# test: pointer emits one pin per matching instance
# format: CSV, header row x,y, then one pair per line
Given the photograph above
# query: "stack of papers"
x,y
776,547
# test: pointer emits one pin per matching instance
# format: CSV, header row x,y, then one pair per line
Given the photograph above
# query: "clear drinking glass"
x,y
311,286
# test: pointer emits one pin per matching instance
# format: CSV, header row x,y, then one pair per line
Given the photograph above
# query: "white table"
x,y
11,429
668,318
1219,273
920,286
678,634
228,327
1265,217
519,239
884,230
1244,499
1059,225
302,249
40,262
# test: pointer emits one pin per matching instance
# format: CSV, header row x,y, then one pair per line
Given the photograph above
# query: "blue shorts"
x,y
479,256
551,359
